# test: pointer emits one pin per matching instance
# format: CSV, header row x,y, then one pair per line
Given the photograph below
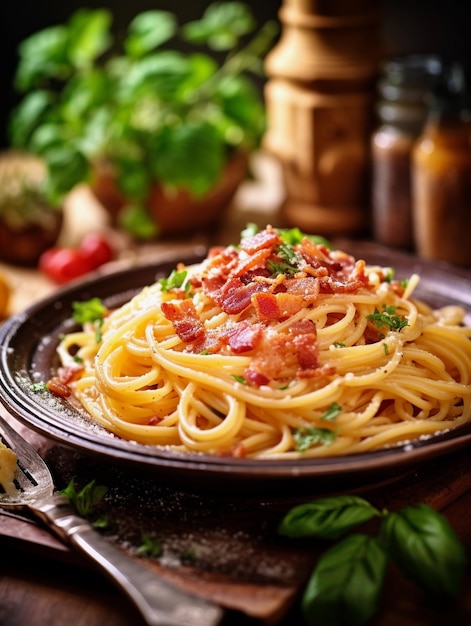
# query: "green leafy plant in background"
x,y
345,586
151,111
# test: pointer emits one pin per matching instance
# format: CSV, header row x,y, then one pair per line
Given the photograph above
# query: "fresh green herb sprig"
x,y
150,547
387,317
175,280
309,436
239,379
290,260
346,584
91,311
39,387
305,438
86,500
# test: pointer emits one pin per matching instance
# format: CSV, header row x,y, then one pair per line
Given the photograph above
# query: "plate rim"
x,y
21,405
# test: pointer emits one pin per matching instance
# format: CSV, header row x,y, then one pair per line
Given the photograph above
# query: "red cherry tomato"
x,y
96,248
64,264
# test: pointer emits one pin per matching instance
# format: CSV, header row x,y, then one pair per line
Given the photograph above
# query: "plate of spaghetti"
x,y
281,359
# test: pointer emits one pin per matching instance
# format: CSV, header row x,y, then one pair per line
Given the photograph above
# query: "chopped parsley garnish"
x,y
37,387
175,280
332,411
239,379
305,438
387,317
290,261
281,267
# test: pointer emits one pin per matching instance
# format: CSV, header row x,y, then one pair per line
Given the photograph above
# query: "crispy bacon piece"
x,y
233,296
257,259
238,451
266,306
269,306
289,304
338,272
185,320
58,388
69,373
236,278
245,337
307,287
255,379
287,356
267,238
306,351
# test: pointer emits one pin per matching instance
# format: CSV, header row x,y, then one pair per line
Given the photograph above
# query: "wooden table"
x,y
243,564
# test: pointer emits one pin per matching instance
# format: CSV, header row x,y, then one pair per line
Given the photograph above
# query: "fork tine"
x,y
32,477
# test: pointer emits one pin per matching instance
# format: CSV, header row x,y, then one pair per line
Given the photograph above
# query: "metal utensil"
x,y
160,603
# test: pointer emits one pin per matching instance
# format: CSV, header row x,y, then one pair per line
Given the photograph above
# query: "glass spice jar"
x,y
441,175
401,110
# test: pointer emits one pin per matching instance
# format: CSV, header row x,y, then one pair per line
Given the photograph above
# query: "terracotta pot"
x,y
26,229
24,245
177,212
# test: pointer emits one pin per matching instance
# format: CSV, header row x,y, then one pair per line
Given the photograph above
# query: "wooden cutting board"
x,y
223,548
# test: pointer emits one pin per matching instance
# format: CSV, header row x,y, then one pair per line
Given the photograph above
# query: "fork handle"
x,y
160,603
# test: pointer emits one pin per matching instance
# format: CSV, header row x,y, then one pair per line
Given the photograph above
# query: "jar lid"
x,y
409,78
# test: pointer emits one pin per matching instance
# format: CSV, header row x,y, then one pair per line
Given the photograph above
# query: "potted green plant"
x,y
149,126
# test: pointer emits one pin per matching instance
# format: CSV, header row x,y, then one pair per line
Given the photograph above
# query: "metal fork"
x,y
159,602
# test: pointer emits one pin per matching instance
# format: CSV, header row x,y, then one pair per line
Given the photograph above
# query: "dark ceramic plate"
x,y
28,342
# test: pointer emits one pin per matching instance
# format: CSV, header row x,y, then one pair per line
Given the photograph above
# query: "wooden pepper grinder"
x,y
319,98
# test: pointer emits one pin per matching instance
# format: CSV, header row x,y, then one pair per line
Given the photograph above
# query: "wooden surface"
x,y
238,558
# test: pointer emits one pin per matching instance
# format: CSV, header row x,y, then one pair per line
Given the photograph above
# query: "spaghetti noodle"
x,y
278,347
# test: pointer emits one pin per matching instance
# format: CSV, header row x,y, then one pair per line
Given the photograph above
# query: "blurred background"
x,y
344,132
428,26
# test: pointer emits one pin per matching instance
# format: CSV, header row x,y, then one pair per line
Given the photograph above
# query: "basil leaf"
x,y
426,548
221,26
327,518
28,116
189,155
67,167
346,584
148,30
88,36
43,55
